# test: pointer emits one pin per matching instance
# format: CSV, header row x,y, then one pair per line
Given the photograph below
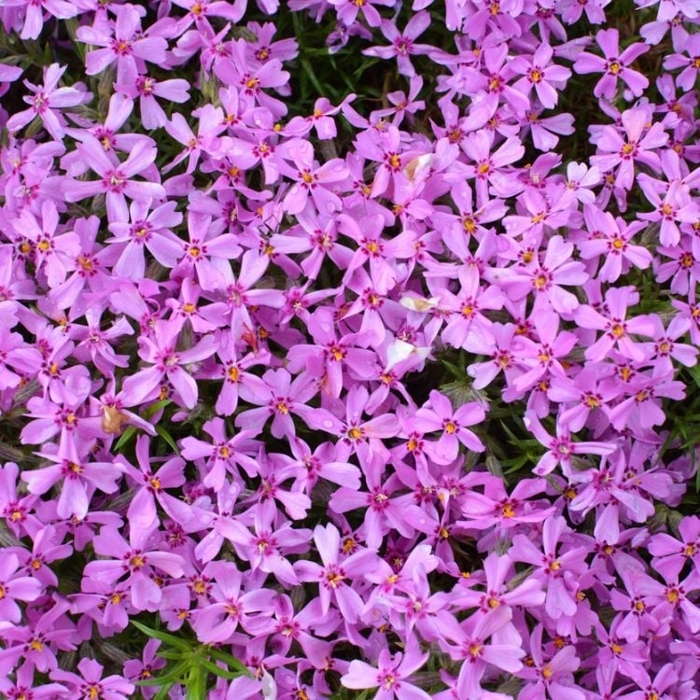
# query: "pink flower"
x,y
616,327
116,178
540,75
125,43
403,43
453,427
391,675
90,682
48,98
15,588
615,65
167,363
333,576
472,647
562,447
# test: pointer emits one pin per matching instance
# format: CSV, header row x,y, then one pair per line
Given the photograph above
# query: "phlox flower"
x,y
466,311
46,634
262,48
47,547
252,79
320,463
15,509
540,75
617,328
311,182
683,267
116,178
48,99
672,554
688,59
199,12
636,618
146,89
498,590
321,120
452,424
149,230
673,207
142,509
90,682
584,396
640,144
303,627
378,310
403,43
54,248
146,667
80,476
124,43
232,605
267,547
347,11
546,279
331,358
15,587
206,142
23,685
16,359
496,507
405,106
279,397
383,510
544,130
610,238
571,10
561,448
614,65
489,168
334,574
95,345
137,559
498,344
86,265
412,606
541,356
390,676
225,455
471,646
559,572
188,312
496,75
550,677
666,348
210,544
665,679
167,363
274,471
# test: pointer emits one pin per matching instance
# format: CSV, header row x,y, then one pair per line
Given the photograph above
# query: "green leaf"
x,y
175,674
196,683
169,654
168,438
177,642
231,661
154,408
125,437
163,692
218,671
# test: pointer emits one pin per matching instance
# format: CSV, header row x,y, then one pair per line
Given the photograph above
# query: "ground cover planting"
x,y
348,349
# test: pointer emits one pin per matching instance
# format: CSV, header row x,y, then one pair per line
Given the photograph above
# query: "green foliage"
x,y
190,664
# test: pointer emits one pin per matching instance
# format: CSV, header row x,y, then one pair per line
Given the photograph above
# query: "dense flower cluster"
x,y
367,396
